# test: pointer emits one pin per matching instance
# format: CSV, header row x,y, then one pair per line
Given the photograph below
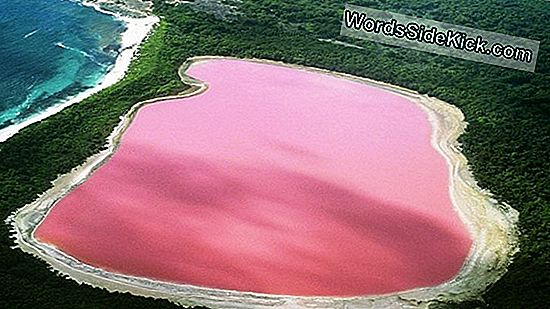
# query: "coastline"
x,y
490,223
137,29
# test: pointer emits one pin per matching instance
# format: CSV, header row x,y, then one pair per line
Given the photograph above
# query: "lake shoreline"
x,y
490,224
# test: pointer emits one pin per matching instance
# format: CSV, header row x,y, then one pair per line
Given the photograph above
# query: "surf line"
x,y
85,54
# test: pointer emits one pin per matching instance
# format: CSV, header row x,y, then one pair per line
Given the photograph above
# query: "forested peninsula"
x,y
506,142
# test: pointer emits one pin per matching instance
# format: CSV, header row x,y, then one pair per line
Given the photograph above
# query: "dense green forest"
x,y
507,141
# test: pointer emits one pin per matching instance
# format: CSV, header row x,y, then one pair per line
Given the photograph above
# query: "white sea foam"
x,y
31,33
83,53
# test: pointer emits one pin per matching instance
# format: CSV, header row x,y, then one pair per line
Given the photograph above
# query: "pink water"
x,y
274,180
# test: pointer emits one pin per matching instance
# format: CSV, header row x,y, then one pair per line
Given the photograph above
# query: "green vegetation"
x,y
507,140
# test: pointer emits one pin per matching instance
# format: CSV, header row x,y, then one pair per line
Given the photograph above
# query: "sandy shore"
x,y
137,30
492,225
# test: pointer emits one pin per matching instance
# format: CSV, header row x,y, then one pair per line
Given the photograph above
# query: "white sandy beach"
x,y
137,30
491,224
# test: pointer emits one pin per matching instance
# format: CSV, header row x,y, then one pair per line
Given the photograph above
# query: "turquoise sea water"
x,y
51,50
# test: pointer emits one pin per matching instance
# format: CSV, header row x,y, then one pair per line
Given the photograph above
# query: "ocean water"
x,y
51,50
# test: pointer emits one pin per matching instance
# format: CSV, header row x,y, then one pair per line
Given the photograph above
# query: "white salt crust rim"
x,y
492,225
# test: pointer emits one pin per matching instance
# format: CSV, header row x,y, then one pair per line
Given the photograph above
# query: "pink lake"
x,y
275,180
